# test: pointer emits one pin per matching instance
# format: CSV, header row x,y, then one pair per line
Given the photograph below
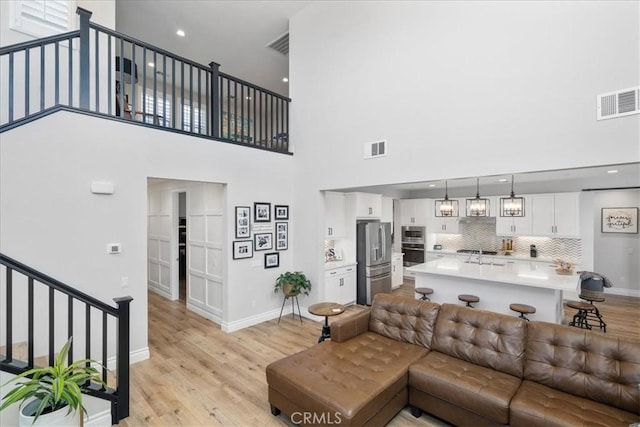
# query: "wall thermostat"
x,y
114,248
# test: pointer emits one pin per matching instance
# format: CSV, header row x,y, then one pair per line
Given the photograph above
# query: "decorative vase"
x,y
287,289
59,418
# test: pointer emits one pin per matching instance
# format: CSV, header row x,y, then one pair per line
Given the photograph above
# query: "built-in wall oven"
x,y
413,245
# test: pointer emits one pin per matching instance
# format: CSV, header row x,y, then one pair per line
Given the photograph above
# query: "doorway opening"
x,y
182,247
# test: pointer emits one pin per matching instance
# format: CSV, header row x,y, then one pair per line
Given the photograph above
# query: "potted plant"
x,y
292,283
51,395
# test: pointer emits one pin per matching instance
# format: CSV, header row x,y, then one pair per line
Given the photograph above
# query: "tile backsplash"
x,y
476,235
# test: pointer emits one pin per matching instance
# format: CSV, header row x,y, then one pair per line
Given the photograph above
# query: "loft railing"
x,y
98,70
37,308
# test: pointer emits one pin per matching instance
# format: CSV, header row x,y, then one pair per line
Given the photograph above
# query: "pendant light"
x,y
446,207
477,206
512,206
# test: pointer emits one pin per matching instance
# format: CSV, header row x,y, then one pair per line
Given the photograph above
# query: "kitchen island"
x,y
498,284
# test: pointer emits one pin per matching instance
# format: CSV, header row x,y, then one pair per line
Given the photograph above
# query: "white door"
x,y
204,249
159,243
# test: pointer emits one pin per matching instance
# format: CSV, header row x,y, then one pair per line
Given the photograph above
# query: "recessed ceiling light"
x,y
432,185
503,180
180,33
285,79
613,171
151,64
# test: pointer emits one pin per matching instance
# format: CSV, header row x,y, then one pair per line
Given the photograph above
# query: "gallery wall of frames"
x,y
261,229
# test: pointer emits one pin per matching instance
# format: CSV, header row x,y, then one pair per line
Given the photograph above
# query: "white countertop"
x,y
338,264
513,256
531,274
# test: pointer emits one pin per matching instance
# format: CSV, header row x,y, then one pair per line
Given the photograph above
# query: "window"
x,y
199,120
42,18
162,113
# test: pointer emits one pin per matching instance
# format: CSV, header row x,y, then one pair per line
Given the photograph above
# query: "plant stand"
x,y
293,310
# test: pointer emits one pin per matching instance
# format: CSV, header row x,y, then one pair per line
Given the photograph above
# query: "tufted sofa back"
x,y
484,338
581,362
403,319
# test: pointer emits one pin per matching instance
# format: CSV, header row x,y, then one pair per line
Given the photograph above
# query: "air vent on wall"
x,y
619,103
281,44
375,149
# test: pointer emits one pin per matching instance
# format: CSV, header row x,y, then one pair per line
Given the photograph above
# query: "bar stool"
x,y
468,299
581,318
523,309
424,292
595,313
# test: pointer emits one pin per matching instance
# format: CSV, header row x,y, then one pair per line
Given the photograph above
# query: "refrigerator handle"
x,y
383,239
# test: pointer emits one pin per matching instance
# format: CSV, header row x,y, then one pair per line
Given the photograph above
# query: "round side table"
x,y
326,309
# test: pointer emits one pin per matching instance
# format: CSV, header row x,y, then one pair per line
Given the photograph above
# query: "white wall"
x,y
616,255
50,220
458,89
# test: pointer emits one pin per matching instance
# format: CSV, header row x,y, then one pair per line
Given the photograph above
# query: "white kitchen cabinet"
x,y
514,225
555,215
444,224
397,272
340,285
414,211
408,274
366,205
387,210
334,215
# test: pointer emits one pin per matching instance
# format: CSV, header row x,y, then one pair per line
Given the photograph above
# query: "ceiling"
x,y
232,33
563,180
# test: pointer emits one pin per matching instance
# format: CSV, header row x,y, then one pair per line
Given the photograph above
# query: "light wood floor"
x,y
200,376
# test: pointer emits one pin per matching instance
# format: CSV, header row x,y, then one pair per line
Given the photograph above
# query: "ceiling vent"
x,y
619,103
281,44
375,149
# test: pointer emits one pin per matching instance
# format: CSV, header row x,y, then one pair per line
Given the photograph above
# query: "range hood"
x,y
491,220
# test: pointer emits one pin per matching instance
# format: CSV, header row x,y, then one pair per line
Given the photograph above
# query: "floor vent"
x,y
375,149
281,44
619,103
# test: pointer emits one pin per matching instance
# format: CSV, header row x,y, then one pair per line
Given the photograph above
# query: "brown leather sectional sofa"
x,y
466,366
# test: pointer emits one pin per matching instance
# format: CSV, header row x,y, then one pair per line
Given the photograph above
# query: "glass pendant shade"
x,y
477,206
446,207
512,205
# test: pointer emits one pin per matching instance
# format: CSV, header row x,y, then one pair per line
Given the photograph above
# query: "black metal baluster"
x,y
134,77
87,325
70,64
199,93
255,117
30,322
104,347
26,81
52,336
286,107
10,89
42,82
109,77
97,67
70,326
278,123
242,101
121,85
182,95
261,117
164,91
173,99
208,104
228,109
9,337
191,112
235,110
143,97
155,87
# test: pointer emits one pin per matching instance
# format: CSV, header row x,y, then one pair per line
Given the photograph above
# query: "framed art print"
x,y
264,241
282,236
242,249
262,212
243,222
281,212
619,220
272,260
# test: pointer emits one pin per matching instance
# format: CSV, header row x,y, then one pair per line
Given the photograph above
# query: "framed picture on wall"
x,y
619,220
264,241
282,236
243,222
281,212
262,212
242,249
271,260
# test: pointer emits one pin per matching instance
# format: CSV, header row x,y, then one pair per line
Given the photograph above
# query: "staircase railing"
x,y
32,299
98,70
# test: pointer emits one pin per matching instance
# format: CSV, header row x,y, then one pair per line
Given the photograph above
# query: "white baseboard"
x,y
215,318
264,317
135,356
622,291
160,292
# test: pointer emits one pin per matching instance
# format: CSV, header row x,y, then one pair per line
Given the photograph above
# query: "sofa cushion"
x,y
587,364
483,391
403,319
356,378
539,405
484,338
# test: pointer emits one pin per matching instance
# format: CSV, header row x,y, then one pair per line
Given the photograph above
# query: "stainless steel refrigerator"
x,y
374,260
